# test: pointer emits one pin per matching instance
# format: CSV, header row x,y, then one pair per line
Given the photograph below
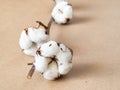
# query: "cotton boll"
x,y
24,40
64,59
52,72
31,51
38,35
62,12
49,49
64,68
41,63
64,54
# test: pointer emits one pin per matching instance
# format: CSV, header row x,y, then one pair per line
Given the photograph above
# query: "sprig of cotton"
x,y
51,59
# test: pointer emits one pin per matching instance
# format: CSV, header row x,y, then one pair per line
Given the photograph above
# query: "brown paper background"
x,y
93,34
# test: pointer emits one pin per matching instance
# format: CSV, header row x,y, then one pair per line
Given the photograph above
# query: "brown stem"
x,y
30,73
49,25
53,59
50,62
40,23
30,64
54,1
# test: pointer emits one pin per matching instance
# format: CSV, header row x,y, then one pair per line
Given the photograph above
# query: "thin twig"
x,y
40,23
49,25
54,0
30,64
53,59
30,73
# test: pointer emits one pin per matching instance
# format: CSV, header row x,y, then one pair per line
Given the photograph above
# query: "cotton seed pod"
x,y
31,51
49,49
38,35
62,12
24,40
52,72
41,63
64,59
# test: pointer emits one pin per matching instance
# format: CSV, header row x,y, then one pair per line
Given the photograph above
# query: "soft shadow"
x,y
80,20
77,7
81,6
84,70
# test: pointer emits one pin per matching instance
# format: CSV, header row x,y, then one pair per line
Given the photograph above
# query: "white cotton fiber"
x,y
25,41
38,35
41,63
31,51
52,72
62,12
64,54
49,49
64,68
64,59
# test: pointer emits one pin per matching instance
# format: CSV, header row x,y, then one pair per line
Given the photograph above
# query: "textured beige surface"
x,y
93,34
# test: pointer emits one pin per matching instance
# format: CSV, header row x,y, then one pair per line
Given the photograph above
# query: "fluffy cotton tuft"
x,y
64,68
31,51
64,54
52,72
24,40
49,49
64,59
41,63
38,35
62,12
